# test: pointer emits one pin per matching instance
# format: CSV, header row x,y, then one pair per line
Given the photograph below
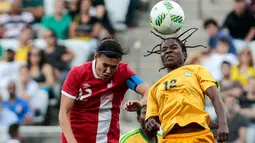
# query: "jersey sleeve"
x,y
70,87
205,78
152,104
125,71
133,81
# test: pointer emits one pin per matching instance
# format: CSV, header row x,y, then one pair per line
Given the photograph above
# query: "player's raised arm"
x,y
135,83
152,115
143,90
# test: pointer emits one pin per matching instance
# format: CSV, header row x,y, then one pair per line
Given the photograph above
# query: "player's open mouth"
x,y
106,76
168,57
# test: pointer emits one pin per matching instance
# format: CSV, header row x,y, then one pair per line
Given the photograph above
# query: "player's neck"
x,y
151,137
174,67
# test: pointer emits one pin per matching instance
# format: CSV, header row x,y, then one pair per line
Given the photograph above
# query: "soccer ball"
x,y
167,17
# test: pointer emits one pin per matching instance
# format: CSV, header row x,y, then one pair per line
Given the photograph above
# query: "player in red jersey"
x,y
92,94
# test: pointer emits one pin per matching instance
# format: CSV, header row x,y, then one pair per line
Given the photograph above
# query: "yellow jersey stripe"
x,y
125,137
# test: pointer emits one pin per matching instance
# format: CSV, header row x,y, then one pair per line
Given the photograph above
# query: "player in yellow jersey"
x,y
176,102
140,135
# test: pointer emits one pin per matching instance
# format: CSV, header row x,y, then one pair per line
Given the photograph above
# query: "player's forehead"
x,y
109,61
170,42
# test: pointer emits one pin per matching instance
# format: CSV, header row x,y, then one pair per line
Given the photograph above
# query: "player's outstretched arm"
x,y
141,88
65,108
214,95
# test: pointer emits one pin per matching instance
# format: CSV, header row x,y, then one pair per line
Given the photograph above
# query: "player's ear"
x,y
96,55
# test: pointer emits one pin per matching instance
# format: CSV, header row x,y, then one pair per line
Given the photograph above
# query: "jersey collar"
x,y
94,69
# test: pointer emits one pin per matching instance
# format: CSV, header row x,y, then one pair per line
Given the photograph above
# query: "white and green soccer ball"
x,y
167,17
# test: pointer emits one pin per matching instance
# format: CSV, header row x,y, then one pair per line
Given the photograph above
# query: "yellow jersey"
x,y
21,54
242,77
179,97
136,136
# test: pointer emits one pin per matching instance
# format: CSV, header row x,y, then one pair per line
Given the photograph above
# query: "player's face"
x,y
226,70
171,54
141,118
106,67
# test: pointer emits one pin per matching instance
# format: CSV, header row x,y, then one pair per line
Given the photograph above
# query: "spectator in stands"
x,y
28,90
237,122
228,87
40,71
17,105
7,117
5,6
15,21
98,10
59,22
73,8
214,61
84,26
35,7
24,44
245,69
212,28
131,13
240,23
27,87
247,103
57,56
9,68
251,5
14,134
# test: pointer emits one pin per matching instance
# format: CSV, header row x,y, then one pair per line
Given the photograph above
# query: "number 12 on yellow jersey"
x,y
170,84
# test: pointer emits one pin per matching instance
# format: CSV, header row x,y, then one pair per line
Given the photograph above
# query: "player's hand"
x,y
152,125
222,134
132,105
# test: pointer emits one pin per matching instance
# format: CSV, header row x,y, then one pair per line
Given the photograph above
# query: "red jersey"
x,y
94,116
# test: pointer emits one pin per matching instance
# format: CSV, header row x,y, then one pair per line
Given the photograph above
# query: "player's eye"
x,y
174,47
163,49
113,67
105,65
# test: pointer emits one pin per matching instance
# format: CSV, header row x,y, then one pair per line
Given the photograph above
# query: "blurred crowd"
x,y
38,48
229,58
38,41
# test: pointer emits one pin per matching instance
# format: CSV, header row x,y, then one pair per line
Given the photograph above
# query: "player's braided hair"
x,y
181,42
